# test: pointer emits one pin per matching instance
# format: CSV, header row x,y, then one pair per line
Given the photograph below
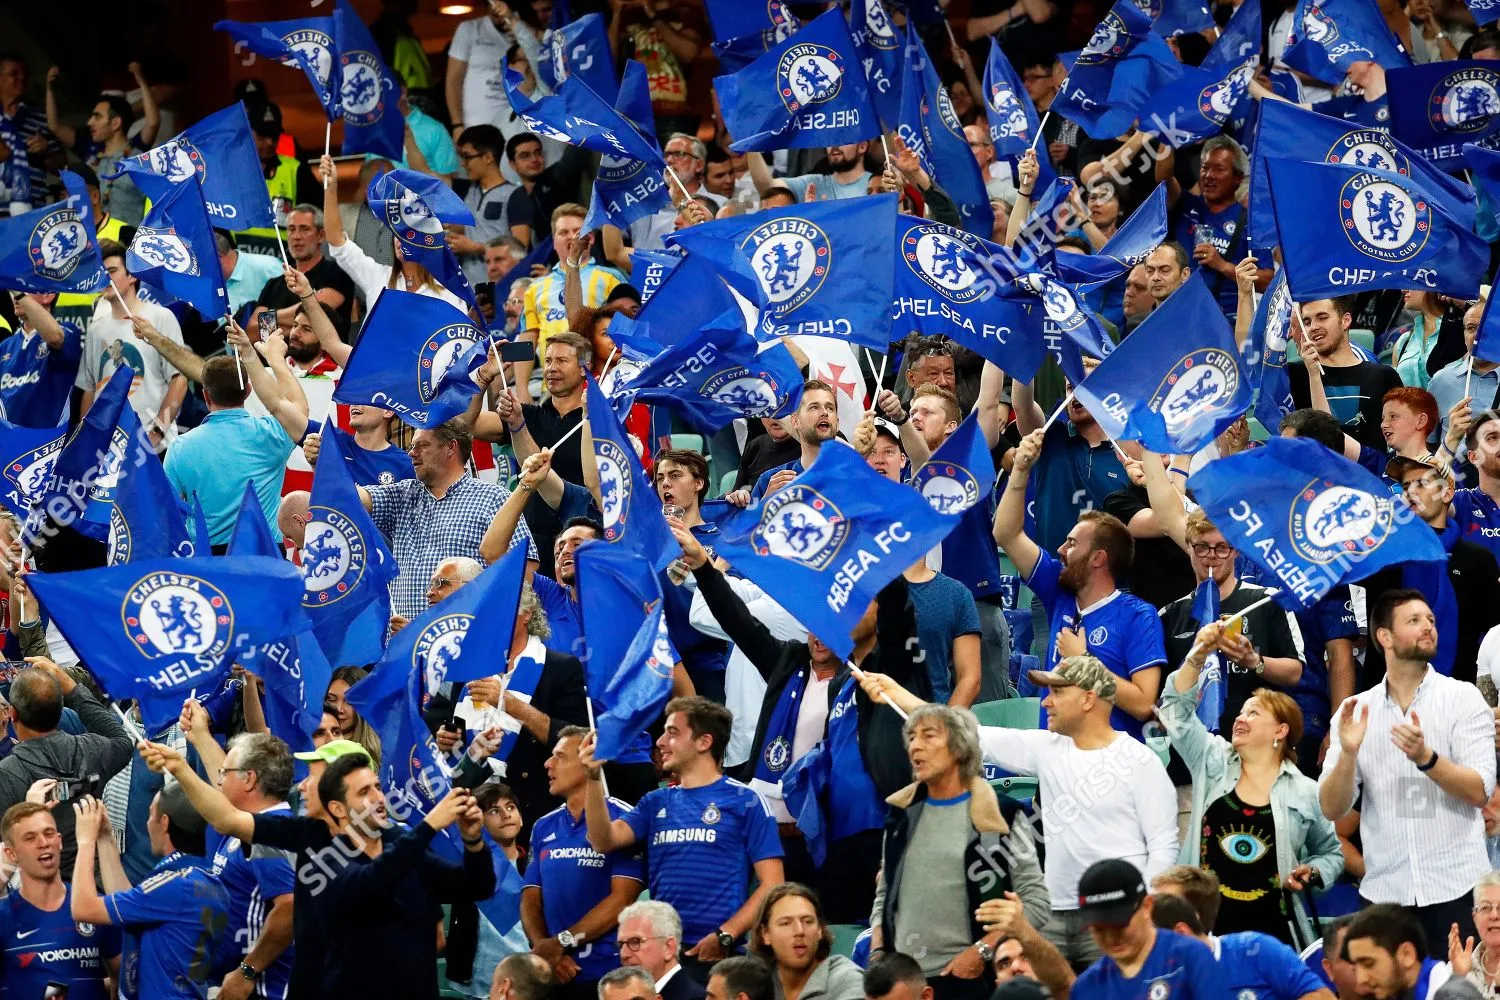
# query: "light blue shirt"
x,y
1447,387
434,142
251,272
216,459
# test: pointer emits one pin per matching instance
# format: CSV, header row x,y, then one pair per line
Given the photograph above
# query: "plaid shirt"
x,y
423,531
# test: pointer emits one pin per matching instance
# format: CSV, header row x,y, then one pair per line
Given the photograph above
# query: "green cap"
x,y
330,752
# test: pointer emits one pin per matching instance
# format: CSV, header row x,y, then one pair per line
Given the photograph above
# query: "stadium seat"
x,y
1010,713
843,937
1017,789
1258,431
691,442
726,483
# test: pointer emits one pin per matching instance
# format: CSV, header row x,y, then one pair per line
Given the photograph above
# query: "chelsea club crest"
x,y
171,613
949,488
791,257
711,815
935,253
177,160
317,48
409,218
615,483
437,649
1319,28
809,74
28,474
163,248
442,349
750,393
1465,100
57,244
800,524
1057,301
359,88
1197,387
334,555
1110,39
1330,521
1382,220
1371,149
778,754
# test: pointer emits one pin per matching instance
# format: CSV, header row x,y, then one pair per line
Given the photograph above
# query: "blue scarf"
x,y
1431,578
523,679
854,804
776,754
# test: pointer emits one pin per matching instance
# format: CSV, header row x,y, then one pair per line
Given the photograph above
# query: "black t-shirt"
x,y
547,427
1238,844
307,839
1355,394
762,453
324,274
1160,572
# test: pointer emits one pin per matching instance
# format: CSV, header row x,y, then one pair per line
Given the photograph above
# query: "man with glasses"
x,y
487,194
687,157
999,181
650,936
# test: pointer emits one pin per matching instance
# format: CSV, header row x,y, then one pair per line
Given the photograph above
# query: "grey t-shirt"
x,y
826,187
932,912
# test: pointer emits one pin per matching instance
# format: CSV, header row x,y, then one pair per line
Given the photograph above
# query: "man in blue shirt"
x,y
176,920
1475,509
42,941
1086,611
1212,224
815,421
574,894
38,363
702,835
1139,962
681,479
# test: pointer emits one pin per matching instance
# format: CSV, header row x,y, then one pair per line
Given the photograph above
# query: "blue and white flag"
x,y
1329,36
944,279
735,19
580,49
1293,133
630,658
159,629
1200,103
1069,328
808,91
719,374
1175,388
1309,519
1176,17
961,473
173,249
1263,353
625,188
1239,40
369,95
1013,120
931,129
1124,63
415,207
698,295
649,270
1211,691
415,356
305,43
81,490
27,455
579,117
1484,167
881,48
146,520
219,152
53,249
1394,235
1132,243
346,564
631,511
825,544
1438,107
824,269
1484,11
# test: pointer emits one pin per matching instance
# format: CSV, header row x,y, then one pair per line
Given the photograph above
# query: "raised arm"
x,y
37,315
333,223
760,172
991,418
150,113
1166,503
605,834
1023,404
291,414
87,905
322,326
497,537
1010,515
178,356
1245,274
1026,175
194,724
66,134
211,804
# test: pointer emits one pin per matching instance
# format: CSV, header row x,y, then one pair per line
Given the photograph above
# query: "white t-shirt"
x,y
482,46
1489,655
111,342
1115,802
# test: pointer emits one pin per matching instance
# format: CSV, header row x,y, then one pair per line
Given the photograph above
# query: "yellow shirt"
x,y
543,307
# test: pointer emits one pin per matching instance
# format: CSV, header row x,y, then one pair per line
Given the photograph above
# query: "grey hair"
x,y
700,151
222,243
313,210
466,569
10,523
537,625
521,284
269,758
661,916
530,978
1489,880
625,975
510,243
963,735
1236,151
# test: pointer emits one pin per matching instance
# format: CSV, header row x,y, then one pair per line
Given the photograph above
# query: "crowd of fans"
x,y
1334,830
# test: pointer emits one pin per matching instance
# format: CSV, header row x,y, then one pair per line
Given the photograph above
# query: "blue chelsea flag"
x,y
1200,103
415,356
305,43
53,249
1178,386
27,455
1132,243
579,117
881,48
415,207
1211,691
1013,121
960,473
824,269
173,248
1393,233
630,507
1121,66
580,49
931,129
80,487
1484,167
1438,107
808,91
369,94
627,188
943,284
1309,519
825,544
1239,40
146,520
1263,353
1329,36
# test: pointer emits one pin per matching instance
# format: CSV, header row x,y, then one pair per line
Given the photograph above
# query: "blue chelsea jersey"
x,y
1256,966
1478,518
1178,968
173,922
35,379
43,946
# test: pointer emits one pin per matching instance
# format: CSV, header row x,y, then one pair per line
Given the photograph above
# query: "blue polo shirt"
x,y
215,459
1256,966
35,380
1122,631
43,946
373,468
700,846
1178,968
172,922
574,878
1070,477
1478,518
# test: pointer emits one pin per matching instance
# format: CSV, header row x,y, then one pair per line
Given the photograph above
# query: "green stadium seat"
x,y
844,936
1021,790
1010,713
690,442
726,482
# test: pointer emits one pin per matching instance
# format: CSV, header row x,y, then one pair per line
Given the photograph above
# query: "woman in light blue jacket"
x,y
1255,822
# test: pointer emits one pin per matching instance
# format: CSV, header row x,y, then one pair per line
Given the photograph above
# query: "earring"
x,y
1275,744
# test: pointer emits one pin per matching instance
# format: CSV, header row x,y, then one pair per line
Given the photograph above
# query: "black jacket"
x,y
880,740
1475,575
682,986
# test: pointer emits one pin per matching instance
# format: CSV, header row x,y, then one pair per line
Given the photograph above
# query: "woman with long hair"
x,y
352,726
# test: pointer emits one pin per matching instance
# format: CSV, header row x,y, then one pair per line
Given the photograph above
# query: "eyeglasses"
x,y
678,154
466,157
636,943
227,770
1223,549
933,348
979,143
1486,909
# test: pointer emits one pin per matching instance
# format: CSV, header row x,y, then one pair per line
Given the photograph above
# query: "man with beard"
x,y
815,421
1086,612
330,285
1387,948
846,177
1477,508
1333,376
1423,775
1213,222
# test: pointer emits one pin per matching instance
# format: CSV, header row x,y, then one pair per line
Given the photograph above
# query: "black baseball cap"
x,y
1019,988
265,118
1110,892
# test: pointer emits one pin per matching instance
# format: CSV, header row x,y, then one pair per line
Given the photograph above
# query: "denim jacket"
x,y
1303,833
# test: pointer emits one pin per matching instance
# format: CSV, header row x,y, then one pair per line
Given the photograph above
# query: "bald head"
x,y
292,516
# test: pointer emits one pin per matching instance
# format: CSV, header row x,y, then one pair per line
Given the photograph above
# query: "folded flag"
x,y
1395,235
1124,63
881,48
1484,166
631,511
146,519
1175,17
698,295
53,249
369,95
304,43
960,473
1330,36
1014,125
1200,103
579,117
625,188
649,268
1069,328
173,249
1239,40
1308,518
579,49
1132,243
416,355
1210,708
1438,107
1178,386
805,92
414,207
1263,353
81,487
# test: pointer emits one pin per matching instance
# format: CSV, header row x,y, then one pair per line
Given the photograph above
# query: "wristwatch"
x,y
248,971
567,939
985,951
1260,664
726,940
